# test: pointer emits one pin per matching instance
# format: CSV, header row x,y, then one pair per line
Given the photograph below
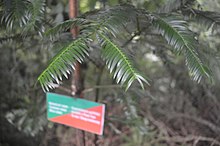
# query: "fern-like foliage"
x,y
177,34
63,63
25,14
15,12
111,20
117,62
105,24
205,18
36,12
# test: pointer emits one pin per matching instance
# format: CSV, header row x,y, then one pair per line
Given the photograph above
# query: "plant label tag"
x,y
75,112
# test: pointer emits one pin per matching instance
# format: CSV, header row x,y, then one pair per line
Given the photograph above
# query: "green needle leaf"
x,y
177,34
63,62
118,62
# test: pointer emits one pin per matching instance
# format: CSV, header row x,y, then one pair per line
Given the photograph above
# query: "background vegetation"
x,y
174,110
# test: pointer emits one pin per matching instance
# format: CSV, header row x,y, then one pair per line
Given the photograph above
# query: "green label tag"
x,y
75,112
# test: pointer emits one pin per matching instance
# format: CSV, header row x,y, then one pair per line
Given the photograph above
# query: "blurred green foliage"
x,y
169,112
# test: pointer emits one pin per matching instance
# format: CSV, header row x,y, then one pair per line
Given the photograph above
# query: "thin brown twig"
x,y
212,126
189,138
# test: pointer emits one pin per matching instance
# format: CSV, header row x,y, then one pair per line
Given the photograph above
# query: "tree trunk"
x,y
77,81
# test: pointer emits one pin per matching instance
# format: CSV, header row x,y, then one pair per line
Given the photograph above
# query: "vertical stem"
x,y
77,82
97,92
98,81
73,4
